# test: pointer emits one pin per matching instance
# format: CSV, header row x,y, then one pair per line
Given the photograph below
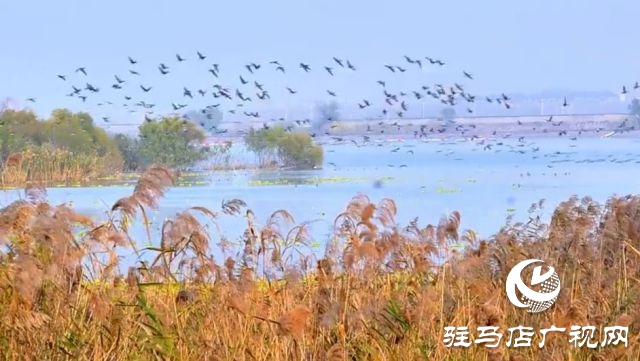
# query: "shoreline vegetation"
x,y
382,291
69,149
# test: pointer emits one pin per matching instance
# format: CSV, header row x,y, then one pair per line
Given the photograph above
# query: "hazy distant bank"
x,y
467,127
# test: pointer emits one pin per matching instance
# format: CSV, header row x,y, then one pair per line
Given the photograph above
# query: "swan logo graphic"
x,y
544,293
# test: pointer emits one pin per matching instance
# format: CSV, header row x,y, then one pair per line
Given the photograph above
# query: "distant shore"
x,y
595,125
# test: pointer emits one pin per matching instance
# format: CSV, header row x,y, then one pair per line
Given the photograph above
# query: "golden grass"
x,y
48,165
381,292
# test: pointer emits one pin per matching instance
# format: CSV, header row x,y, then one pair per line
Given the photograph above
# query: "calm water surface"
x,y
426,179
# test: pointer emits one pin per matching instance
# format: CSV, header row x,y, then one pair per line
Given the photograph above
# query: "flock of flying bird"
x,y
237,99
242,95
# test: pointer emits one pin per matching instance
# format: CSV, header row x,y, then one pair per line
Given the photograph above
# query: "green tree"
x,y
171,142
290,149
129,148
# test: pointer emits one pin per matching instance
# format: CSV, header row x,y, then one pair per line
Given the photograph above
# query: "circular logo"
x,y
541,293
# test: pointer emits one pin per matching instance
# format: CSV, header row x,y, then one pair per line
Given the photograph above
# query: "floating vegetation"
x,y
445,190
310,180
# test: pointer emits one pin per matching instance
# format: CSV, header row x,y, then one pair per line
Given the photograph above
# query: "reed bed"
x,y
381,292
50,165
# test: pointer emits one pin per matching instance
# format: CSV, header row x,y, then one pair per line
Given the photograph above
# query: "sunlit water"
x,y
436,178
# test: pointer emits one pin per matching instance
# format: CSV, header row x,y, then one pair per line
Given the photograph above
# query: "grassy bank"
x,y
380,293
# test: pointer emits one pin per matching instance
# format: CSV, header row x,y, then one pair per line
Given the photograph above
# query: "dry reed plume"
x,y
382,291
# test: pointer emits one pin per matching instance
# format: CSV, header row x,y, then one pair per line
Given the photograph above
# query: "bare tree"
x,y
324,113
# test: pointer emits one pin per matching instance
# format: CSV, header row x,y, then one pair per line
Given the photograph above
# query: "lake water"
x,y
426,179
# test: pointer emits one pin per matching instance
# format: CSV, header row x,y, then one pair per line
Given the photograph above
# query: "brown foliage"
x,y
381,292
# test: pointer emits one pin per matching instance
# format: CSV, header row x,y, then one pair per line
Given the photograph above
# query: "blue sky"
x,y
509,46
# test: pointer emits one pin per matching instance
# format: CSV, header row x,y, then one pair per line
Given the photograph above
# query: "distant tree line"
x,y
68,146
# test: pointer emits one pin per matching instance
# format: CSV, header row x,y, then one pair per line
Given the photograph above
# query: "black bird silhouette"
x,y
401,69
291,90
180,58
468,75
105,119
338,61
249,68
280,68
62,77
116,86
82,70
305,67
329,70
120,81
565,104
382,83
132,61
200,56
242,79
212,71
187,93
134,72
146,90
350,66
91,88
624,89
163,71
391,67
275,62
33,100
636,86
331,93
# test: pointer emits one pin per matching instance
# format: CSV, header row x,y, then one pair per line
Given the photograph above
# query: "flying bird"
x,y
305,67
180,58
329,70
200,56
146,90
338,61
82,70
132,61
350,66
62,77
